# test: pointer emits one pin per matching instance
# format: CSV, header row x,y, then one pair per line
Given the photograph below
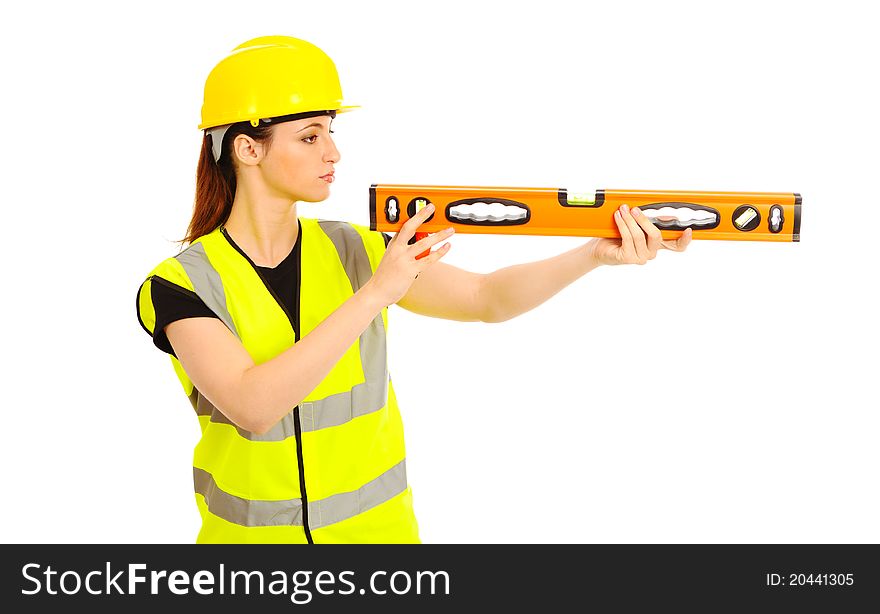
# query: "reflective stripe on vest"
x,y
251,513
206,282
333,410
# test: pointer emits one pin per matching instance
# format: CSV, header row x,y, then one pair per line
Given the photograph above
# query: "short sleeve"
x,y
172,303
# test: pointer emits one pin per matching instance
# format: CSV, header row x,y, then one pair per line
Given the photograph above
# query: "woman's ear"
x,y
246,150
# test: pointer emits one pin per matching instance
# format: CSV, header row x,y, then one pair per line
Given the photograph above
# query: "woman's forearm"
x,y
513,290
273,388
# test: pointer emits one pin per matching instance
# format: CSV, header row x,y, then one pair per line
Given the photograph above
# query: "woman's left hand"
x,y
640,240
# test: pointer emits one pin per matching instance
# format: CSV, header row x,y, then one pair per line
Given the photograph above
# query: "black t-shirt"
x,y
172,303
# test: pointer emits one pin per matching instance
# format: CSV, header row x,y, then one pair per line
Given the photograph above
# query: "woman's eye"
x,y
314,137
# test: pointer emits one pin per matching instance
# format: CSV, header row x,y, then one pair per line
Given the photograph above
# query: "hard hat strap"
x,y
217,135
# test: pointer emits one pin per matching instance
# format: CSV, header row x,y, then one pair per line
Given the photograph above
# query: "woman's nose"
x,y
332,154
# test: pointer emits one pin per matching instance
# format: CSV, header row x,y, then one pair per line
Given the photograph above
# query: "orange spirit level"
x,y
730,216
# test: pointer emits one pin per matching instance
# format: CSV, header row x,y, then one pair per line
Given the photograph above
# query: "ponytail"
x,y
215,181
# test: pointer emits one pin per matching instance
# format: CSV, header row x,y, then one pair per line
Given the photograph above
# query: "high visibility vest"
x,y
333,470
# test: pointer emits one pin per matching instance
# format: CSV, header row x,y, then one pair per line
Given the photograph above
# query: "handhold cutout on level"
x,y
487,212
679,216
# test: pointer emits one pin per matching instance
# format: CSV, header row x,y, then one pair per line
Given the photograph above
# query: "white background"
x,y
726,394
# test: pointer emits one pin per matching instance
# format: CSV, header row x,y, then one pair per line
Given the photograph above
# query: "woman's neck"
x,y
267,232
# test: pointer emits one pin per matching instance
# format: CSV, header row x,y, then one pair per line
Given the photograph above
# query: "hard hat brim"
x,y
342,109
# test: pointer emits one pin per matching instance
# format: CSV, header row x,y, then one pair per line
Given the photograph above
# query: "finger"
x,y
627,252
638,235
654,237
432,239
433,257
626,249
681,243
410,227
685,239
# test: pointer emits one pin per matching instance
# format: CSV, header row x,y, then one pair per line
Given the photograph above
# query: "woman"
x,y
276,324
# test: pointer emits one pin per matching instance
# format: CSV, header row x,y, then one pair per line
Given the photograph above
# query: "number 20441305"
x,y
811,579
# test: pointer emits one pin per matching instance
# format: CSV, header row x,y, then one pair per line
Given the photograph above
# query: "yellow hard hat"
x,y
269,77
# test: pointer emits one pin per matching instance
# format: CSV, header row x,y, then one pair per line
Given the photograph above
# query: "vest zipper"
x,y
297,429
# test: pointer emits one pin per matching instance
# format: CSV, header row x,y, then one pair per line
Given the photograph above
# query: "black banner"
x,y
440,577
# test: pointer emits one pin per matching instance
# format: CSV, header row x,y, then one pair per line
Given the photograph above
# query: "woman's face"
x,y
301,155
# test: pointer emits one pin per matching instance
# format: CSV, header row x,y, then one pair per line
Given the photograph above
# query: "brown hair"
x,y
215,181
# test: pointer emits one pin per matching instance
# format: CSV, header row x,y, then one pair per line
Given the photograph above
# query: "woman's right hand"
x,y
399,266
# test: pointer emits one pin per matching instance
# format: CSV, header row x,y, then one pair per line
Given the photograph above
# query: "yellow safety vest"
x,y
333,470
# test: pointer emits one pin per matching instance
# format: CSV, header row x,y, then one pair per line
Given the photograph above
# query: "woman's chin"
x,y
315,197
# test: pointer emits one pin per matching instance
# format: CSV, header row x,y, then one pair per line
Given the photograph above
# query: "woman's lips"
x,y
328,178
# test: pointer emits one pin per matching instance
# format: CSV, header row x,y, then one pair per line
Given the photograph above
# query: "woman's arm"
x,y
445,291
256,397
513,290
